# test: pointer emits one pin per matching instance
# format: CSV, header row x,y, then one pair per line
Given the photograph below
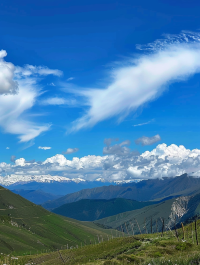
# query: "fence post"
x,y
196,231
163,223
183,231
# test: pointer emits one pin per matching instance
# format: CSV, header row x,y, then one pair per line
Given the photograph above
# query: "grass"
x,y
149,249
29,228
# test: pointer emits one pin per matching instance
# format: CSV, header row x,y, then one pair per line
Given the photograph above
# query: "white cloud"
x,y
144,140
29,70
44,147
70,151
141,124
162,161
7,147
13,106
70,78
58,101
141,80
7,84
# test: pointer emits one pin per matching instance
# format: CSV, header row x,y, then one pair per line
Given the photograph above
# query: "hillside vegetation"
x,y
90,210
169,248
26,227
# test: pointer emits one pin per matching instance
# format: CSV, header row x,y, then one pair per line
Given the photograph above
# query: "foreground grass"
x,y
150,249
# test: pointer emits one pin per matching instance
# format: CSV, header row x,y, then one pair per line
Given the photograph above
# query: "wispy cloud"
x,y
144,140
141,124
13,106
70,151
70,78
58,101
142,79
29,70
44,147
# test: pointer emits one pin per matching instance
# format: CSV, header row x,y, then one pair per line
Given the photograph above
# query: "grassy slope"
x,y
25,226
141,249
90,210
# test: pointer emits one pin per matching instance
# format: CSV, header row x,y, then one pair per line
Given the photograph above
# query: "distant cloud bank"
x,y
120,165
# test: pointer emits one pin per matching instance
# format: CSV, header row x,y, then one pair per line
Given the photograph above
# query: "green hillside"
x,y
146,249
90,210
26,227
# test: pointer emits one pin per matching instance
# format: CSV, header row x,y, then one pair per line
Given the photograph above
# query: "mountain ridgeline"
x,y
145,190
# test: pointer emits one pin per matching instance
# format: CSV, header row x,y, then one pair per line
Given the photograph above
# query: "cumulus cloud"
x,y
7,147
162,161
70,151
144,140
139,81
7,83
58,101
44,147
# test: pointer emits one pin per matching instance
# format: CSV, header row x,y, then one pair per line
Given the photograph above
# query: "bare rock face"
x,y
178,209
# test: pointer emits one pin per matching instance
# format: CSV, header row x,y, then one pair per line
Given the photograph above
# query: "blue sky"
x,y
91,46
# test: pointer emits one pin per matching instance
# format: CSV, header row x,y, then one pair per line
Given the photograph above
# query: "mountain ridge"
x,y
142,191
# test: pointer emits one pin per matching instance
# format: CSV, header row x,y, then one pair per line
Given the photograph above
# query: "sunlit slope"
x,y
25,226
145,249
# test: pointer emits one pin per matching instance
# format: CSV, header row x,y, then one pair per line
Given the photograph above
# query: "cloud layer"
x,y
163,161
141,80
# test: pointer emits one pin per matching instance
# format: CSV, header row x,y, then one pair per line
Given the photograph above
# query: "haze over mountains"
x,y
142,191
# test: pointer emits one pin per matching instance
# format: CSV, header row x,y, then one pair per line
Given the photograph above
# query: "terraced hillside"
x,y
26,227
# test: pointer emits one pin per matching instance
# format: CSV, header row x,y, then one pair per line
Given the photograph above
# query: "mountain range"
x,y
152,189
